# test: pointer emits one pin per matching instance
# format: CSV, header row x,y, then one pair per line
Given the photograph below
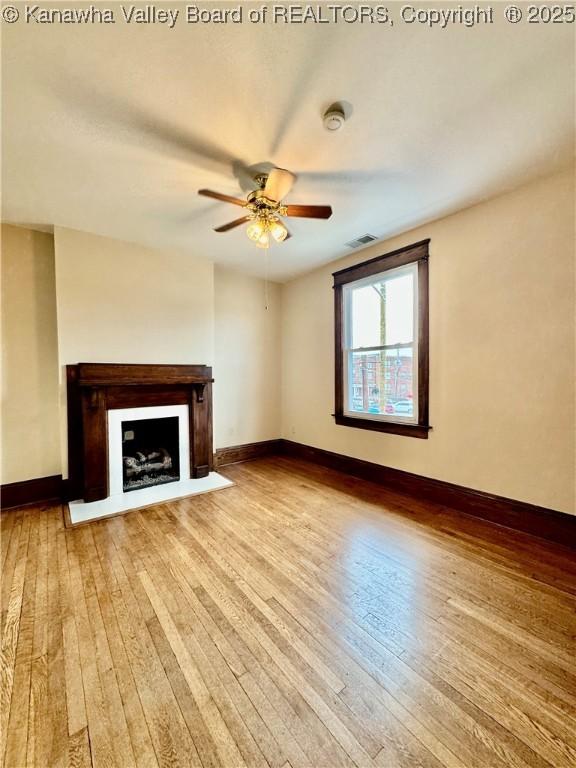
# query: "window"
x,y
381,313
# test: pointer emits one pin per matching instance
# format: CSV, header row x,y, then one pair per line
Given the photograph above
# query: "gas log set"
x,y
148,467
149,452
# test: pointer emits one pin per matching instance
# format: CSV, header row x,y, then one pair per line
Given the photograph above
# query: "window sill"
x,y
419,431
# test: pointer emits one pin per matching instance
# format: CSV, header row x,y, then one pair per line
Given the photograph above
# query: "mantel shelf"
x,y
120,374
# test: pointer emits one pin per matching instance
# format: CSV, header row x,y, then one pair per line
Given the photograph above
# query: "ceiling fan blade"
x,y
223,198
309,211
278,184
232,224
149,129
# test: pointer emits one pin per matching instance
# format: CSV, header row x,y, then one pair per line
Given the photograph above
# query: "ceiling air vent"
x,y
360,241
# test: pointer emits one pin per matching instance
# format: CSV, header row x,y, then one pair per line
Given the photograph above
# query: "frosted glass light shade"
x,y
255,230
263,241
278,231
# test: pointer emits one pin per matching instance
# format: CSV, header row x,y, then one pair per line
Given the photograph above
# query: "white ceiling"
x,y
113,129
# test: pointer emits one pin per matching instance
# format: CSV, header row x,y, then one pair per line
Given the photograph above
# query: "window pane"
x,y
383,312
381,382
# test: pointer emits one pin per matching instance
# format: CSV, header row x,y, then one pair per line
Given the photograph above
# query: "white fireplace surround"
x,y
115,419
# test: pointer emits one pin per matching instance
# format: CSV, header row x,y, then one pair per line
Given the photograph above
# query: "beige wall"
x,y
502,324
30,437
247,360
119,302
122,303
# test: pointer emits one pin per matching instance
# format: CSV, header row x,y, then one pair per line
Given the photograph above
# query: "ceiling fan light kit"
x,y
261,228
264,207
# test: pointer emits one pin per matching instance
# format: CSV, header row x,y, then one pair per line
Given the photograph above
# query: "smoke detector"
x,y
334,118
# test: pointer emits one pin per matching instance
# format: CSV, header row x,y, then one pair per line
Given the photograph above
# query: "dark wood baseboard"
x,y
40,489
54,488
518,515
235,453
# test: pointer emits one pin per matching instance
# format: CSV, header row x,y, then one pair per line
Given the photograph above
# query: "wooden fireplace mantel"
x,y
95,388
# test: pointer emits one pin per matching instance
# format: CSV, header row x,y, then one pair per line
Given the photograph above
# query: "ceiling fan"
x,y
264,208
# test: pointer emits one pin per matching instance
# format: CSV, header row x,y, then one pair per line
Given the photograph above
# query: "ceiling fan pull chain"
x,y
266,267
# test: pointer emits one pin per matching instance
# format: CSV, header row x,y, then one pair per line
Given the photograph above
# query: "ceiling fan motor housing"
x,y
259,200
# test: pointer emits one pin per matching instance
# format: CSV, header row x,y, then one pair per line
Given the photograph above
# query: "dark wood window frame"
x,y
417,253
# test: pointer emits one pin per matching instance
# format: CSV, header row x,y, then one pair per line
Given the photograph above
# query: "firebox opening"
x,y
150,452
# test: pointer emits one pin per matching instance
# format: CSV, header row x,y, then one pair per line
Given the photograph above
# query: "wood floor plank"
x,y
203,742
227,748
11,523
136,722
259,603
302,619
57,723
37,750
11,637
259,715
113,704
229,600
425,732
100,727
79,754
19,731
301,720
173,745
69,591
256,743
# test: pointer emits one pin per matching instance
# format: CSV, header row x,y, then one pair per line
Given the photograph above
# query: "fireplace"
x,y
150,452
147,447
136,426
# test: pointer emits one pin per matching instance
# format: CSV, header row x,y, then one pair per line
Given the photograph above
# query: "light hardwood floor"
x,y
301,618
